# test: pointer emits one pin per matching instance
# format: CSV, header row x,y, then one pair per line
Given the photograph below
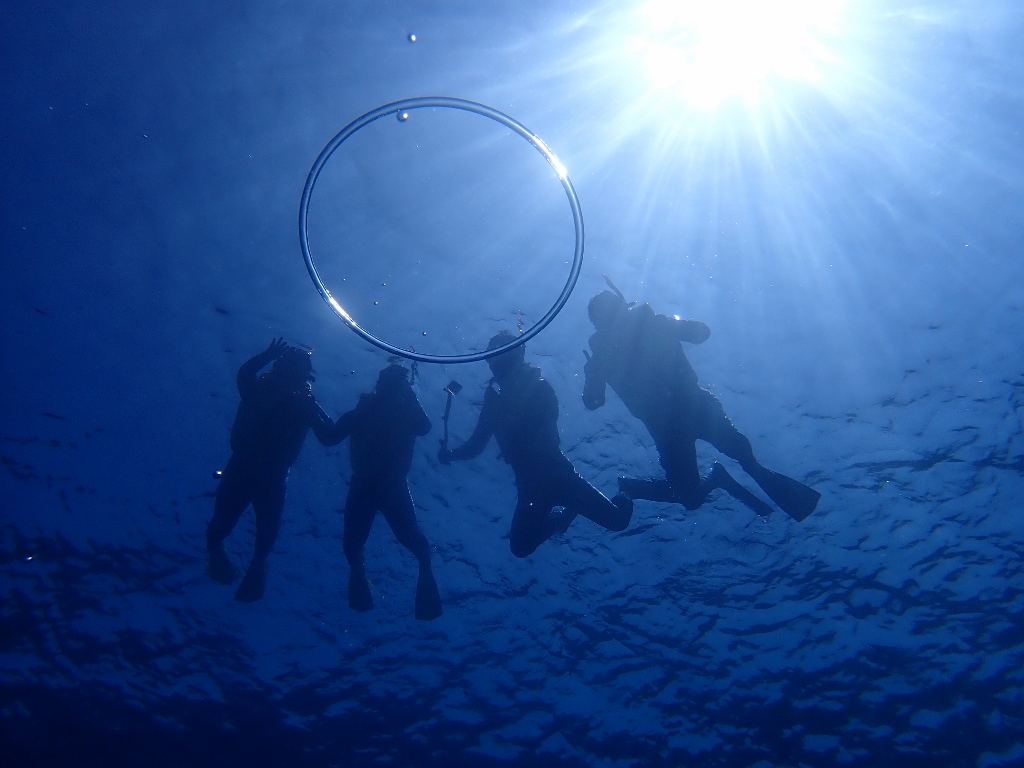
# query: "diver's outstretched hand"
x,y
277,347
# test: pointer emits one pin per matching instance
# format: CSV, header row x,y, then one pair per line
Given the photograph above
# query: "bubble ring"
x,y
467,106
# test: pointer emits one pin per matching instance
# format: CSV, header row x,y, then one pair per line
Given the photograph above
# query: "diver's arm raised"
x,y
246,378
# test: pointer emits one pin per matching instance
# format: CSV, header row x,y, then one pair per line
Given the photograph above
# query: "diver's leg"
x,y
268,504
719,478
793,497
677,452
713,426
707,421
230,500
533,523
584,499
401,516
360,510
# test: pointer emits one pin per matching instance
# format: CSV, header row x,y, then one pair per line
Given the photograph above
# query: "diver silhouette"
x,y
382,429
275,412
637,352
521,413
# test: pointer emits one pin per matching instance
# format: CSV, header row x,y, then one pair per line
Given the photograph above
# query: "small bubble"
x,y
424,333
28,559
412,37
402,116
376,303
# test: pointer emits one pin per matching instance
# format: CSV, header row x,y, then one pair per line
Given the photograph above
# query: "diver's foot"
x,y
359,597
428,599
719,478
253,584
625,505
219,567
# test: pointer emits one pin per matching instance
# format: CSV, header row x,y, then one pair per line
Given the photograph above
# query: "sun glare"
x,y
711,50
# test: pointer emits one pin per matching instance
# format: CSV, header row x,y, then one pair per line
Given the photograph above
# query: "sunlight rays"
x,y
771,167
707,53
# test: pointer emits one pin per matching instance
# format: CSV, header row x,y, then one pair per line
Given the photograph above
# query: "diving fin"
x,y
428,599
612,517
793,497
719,478
219,567
646,490
359,597
253,583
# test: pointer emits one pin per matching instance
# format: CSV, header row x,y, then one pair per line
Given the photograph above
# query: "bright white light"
x,y
711,50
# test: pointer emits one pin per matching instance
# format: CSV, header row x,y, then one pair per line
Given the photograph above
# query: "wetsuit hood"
x,y
503,364
392,378
605,308
294,366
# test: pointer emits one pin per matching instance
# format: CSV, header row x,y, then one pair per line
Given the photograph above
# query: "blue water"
x,y
853,242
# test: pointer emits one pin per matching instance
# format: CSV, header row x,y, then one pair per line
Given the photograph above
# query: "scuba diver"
x,y
637,352
383,428
520,411
274,414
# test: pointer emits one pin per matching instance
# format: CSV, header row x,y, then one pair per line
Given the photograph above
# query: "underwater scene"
x,y
447,383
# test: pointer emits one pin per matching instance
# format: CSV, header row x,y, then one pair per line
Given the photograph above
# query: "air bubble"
x,y
401,110
412,37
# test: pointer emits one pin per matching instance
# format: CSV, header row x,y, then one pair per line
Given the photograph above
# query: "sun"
x,y
708,51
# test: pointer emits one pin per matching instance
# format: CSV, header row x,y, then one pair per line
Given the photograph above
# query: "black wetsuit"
x,y
523,418
269,428
383,428
641,358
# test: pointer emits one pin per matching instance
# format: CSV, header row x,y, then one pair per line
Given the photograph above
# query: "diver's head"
x,y
507,361
392,378
294,366
605,308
